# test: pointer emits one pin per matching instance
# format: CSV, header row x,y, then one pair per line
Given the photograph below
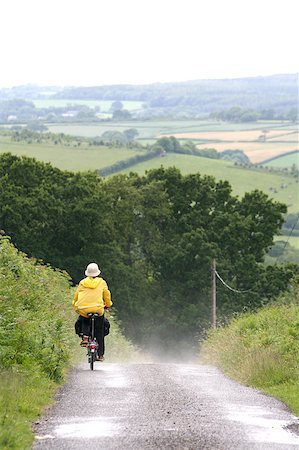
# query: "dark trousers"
x,y
83,326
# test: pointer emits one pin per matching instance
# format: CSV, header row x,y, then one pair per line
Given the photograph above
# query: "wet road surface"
x,y
162,406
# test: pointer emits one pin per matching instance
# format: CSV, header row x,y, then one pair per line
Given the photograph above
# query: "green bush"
x,y
35,316
262,349
36,341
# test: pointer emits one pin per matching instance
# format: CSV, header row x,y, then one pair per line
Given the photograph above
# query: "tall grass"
x,y
262,349
37,341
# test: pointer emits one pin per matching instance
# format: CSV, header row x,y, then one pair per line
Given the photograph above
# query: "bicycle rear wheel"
x,y
92,345
92,358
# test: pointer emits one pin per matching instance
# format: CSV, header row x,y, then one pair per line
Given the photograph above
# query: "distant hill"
x,y
277,92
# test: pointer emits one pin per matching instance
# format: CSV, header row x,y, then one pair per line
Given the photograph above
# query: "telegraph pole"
x,y
213,294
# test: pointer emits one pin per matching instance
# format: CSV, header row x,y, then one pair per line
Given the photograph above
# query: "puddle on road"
x,y
112,375
89,428
262,424
114,380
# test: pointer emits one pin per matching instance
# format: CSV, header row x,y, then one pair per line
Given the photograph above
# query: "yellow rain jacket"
x,y
91,296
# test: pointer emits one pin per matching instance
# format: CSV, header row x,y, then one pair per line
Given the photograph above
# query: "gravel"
x,y
163,406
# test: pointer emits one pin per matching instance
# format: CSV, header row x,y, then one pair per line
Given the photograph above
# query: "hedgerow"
x,y
35,316
36,341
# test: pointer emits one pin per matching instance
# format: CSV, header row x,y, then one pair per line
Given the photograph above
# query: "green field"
x,y
88,157
207,133
292,240
285,161
104,105
149,130
69,158
241,180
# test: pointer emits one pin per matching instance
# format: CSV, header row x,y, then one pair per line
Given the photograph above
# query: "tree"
x,y
123,114
116,106
169,144
130,134
153,236
37,126
292,115
114,136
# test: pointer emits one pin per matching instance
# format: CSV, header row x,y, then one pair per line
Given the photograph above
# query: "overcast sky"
x,y
94,42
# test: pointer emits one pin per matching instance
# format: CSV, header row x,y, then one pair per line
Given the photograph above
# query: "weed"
x,y
262,349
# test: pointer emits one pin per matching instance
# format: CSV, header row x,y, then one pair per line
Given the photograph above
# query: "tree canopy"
x,y
154,237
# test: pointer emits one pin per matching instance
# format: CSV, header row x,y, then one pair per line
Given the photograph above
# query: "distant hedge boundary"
x,y
124,164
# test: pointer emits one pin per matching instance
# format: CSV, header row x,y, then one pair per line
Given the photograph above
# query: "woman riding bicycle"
x,y
92,296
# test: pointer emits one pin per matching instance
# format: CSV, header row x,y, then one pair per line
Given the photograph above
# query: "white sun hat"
x,y
92,270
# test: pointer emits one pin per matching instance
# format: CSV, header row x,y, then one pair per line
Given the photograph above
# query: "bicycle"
x,y
92,345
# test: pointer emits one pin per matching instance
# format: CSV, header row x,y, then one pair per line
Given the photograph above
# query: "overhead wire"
x,y
286,242
229,287
238,291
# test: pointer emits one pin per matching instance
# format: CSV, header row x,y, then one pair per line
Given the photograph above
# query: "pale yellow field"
x,y
256,151
288,137
236,136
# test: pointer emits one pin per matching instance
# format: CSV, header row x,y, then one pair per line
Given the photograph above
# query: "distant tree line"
x,y
24,111
271,97
238,114
277,92
116,137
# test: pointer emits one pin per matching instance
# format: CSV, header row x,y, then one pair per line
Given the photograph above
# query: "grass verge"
x,y
262,349
22,397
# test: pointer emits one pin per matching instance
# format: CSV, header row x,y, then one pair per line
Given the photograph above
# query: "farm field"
x,y
249,141
281,137
257,152
88,157
285,161
69,158
241,180
152,129
237,136
290,137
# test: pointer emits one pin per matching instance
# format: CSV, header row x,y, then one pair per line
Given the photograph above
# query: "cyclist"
x,y
92,296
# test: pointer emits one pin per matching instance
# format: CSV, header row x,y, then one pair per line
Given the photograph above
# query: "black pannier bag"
x,y
106,326
78,326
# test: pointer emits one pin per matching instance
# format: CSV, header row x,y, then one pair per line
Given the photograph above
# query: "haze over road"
x,y
162,406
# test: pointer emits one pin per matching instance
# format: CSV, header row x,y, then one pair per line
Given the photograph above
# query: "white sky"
x,y
94,42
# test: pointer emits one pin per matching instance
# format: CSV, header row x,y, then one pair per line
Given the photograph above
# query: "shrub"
x,y
35,316
261,349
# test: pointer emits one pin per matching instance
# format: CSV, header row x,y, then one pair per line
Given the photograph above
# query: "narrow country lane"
x,y
162,406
